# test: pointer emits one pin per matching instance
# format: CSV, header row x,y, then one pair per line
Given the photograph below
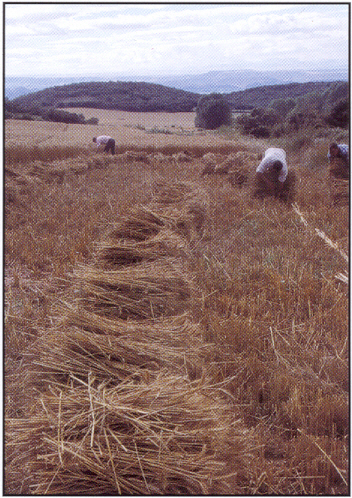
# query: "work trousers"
x,y
110,146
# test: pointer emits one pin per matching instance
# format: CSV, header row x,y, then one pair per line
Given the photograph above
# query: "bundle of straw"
x,y
147,289
183,206
114,251
159,437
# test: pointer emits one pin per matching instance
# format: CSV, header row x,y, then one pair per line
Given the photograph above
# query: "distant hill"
x,y
212,81
144,97
233,81
125,96
16,86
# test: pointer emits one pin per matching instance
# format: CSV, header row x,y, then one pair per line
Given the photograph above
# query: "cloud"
x,y
294,23
171,38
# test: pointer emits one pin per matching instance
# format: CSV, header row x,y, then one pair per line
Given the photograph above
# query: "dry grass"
x,y
166,333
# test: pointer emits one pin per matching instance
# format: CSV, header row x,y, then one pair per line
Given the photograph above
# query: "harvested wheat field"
x,y
166,332
151,130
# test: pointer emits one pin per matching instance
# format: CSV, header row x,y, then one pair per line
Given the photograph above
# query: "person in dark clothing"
x,y
338,156
339,174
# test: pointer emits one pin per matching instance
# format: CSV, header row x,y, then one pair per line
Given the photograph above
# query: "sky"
x,y
91,39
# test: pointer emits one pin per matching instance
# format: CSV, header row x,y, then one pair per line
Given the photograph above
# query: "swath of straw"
x,y
116,411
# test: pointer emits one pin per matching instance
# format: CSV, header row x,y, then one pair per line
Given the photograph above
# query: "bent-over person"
x,y
272,177
107,141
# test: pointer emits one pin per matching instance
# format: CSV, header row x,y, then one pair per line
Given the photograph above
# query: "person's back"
x,y
272,177
280,154
273,157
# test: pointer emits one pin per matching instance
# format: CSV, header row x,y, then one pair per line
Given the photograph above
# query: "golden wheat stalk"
x,y
330,460
341,276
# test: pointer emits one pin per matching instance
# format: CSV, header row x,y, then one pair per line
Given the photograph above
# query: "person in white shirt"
x,y
271,173
107,141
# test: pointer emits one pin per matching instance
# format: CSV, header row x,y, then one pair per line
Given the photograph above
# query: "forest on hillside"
x,y
328,106
124,96
270,110
262,96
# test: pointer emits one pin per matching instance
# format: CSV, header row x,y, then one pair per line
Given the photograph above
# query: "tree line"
x,y
272,110
329,107
13,110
